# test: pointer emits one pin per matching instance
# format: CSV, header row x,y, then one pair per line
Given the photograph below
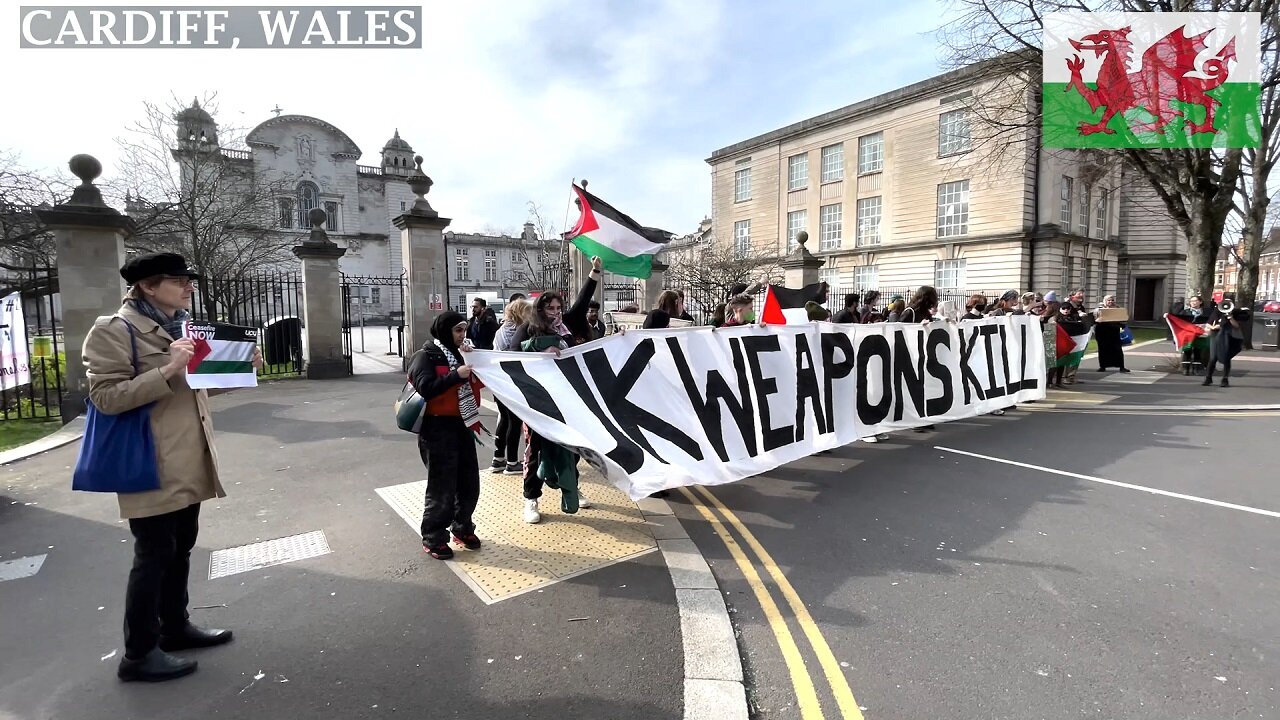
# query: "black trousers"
x,y
507,434
448,449
156,599
1218,356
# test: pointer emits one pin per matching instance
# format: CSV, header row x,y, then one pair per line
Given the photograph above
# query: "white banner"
x,y
15,358
657,409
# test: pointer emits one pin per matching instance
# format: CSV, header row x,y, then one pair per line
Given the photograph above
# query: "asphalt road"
x,y
951,586
374,629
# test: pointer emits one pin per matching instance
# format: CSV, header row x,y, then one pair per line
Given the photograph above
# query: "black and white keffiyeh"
x,y
467,406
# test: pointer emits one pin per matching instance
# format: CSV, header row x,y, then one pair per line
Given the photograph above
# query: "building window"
x,y
870,153
1102,278
953,208
401,206
742,238
491,265
462,262
796,222
742,185
830,224
953,133
375,295
1100,222
866,277
1082,217
948,274
798,172
1068,273
830,276
286,212
331,216
869,221
833,163
308,198
1064,214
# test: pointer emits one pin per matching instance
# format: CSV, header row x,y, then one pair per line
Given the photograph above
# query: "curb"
x,y
1153,408
713,680
69,433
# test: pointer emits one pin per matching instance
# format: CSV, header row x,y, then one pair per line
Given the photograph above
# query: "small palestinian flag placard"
x,y
223,355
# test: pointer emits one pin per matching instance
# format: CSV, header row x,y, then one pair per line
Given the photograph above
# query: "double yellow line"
x,y
806,693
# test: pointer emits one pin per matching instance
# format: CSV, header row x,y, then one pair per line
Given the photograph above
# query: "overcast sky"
x,y
510,99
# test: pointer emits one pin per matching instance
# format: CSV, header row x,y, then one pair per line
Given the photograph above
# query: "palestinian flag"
x,y
624,245
1073,338
1152,79
223,357
785,306
1185,335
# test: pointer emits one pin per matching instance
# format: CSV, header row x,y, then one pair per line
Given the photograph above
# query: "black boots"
x,y
155,666
194,637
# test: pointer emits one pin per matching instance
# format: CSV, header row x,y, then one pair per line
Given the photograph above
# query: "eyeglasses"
x,y
185,281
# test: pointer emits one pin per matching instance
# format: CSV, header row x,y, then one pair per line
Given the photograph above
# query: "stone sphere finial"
x,y
417,162
85,167
317,217
802,237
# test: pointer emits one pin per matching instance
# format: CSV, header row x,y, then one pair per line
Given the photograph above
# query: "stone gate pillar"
x,y
426,264
90,245
322,302
801,268
654,286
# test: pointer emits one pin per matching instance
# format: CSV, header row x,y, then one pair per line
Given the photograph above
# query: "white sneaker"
x,y
583,502
531,514
875,438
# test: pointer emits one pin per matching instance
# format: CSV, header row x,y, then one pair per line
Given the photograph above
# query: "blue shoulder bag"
x,y
118,453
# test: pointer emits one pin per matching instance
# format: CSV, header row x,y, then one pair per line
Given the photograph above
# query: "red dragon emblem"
x,y
1161,80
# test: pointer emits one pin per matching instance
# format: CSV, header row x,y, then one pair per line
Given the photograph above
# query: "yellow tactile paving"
x,y
518,557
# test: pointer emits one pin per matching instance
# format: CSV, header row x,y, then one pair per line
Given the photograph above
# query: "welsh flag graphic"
x,y
625,247
1185,334
1073,338
1176,80
223,355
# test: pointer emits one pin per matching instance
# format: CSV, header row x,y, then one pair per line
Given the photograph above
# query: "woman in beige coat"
x,y
164,522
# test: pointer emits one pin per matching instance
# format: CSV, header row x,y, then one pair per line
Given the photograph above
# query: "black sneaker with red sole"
x,y
439,552
468,541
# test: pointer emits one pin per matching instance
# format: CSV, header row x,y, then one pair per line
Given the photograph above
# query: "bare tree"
x,y
1197,187
188,194
542,261
25,242
707,270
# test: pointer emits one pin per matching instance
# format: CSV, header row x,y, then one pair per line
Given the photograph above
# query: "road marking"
x,y
1104,481
1152,412
806,693
255,556
830,666
21,567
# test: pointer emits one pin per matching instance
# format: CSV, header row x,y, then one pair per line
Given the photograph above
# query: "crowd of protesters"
x,y
440,374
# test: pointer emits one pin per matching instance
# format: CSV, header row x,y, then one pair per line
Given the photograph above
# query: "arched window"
x,y
308,198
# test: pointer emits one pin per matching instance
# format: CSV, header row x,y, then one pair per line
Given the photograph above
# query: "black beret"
x,y
142,267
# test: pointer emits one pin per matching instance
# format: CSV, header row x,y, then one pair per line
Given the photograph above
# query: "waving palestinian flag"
x,y
784,305
624,245
1073,338
1185,334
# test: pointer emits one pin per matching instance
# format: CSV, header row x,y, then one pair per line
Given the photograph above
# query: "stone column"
x,y
426,263
801,268
90,244
322,302
654,286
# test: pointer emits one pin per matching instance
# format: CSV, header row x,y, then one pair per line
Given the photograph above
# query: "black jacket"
x,y
429,373
847,315
481,330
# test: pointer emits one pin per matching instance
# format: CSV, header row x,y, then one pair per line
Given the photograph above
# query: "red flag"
x,y
1184,333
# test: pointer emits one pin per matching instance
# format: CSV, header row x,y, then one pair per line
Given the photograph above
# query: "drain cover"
x,y
265,554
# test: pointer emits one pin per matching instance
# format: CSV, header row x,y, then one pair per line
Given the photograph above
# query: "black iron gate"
x,y
372,316
31,342
268,300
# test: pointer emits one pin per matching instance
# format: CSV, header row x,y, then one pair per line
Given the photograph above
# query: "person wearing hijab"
x,y
134,358
1110,348
447,441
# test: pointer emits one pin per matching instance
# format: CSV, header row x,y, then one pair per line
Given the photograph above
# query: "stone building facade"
x,y
898,191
